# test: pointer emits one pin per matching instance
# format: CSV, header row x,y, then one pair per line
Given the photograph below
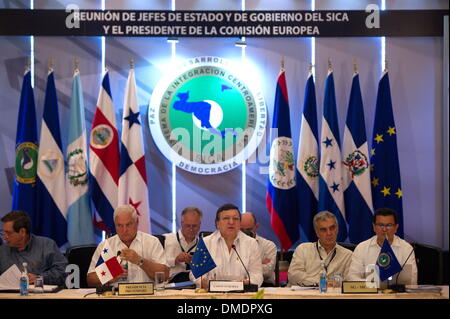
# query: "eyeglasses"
x,y
387,226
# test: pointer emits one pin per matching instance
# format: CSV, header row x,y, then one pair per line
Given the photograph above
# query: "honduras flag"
x,y
50,220
331,188
202,261
307,173
281,196
133,176
386,183
24,192
79,214
104,158
357,194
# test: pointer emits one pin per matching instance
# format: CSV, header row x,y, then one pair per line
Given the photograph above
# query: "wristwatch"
x,y
140,262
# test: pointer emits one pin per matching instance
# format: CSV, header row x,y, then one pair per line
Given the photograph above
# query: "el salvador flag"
x,y
307,173
79,213
50,220
357,194
331,188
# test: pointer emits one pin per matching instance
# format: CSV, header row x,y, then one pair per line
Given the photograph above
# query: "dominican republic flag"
x,y
104,158
281,196
355,156
386,183
133,176
307,173
24,192
108,266
79,213
331,188
51,218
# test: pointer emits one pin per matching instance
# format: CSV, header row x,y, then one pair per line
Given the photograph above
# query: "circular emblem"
x,y
281,167
51,163
26,162
207,117
384,260
101,136
311,166
356,163
77,171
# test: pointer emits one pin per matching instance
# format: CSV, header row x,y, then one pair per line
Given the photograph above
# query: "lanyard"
x,y
188,267
321,259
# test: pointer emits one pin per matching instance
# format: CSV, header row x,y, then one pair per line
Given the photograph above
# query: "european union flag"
x,y
387,262
385,167
202,261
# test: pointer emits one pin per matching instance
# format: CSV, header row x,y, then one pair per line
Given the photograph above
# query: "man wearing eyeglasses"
x,y
385,225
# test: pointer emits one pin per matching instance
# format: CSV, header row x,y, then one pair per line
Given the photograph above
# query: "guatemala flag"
x,y
331,188
357,194
24,193
281,196
104,158
133,176
307,173
386,183
79,213
51,214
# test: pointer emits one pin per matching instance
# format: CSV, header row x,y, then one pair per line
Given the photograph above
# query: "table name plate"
x,y
137,288
358,287
226,286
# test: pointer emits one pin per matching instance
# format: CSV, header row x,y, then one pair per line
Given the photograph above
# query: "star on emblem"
x,y
375,182
135,205
386,191
379,138
328,142
399,193
132,118
391,131
335,187
331,164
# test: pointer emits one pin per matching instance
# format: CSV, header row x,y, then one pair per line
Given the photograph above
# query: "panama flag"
x,y
307,173
79,213
357,194
281,196
133,177
108,266
51,191
24,193
331,190
104,158
386,183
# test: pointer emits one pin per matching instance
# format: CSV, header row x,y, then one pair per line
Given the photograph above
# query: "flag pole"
x,y
75,66
330,67
355,67
282,64
131,63
51,64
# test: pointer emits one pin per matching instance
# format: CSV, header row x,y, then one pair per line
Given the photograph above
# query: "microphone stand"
x,y
397,287
247,287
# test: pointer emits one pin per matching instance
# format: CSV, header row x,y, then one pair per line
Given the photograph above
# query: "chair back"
x,y
162,239
81,256
429,261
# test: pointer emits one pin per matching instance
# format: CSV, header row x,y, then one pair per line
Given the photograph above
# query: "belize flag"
x,y
307,172
104,158
356,174
331,188
24,192
133,176
51,218
281,196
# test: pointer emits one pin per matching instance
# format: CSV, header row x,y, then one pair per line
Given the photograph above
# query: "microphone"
x,y
247,287
397,287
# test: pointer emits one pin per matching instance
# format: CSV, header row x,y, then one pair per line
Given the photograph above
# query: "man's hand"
x,y
31,278
119,278
184,258
130,255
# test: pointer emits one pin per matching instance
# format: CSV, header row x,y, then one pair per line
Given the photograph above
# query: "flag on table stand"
x,y
133,176
281,196
357,192
108,266
202,261
308,164
387,262
24,193
79,213
104,158
331,192
51,191
386,182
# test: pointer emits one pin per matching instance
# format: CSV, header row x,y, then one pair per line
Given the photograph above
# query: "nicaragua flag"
x,y
24,192
108,266
281,196
79,213
202,261
386,183
133,176
104,158
387,262
307,173
51,214
331,188
355,155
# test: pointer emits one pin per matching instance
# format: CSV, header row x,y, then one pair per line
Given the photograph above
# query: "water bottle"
x,y
24,280
124,265
322,279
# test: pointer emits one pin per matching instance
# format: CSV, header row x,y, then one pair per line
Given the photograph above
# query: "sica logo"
x,y
206,117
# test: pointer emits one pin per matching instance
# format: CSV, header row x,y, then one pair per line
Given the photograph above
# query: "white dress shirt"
x,y
172,249
268,250
366,253
229,267
145,245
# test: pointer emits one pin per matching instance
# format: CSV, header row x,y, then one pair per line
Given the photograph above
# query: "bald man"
x,y
249,225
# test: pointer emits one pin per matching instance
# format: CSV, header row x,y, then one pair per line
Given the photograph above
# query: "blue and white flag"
x,y
24,193
387,262
357,194
307,173
80,230
331,188
51,191
386,182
